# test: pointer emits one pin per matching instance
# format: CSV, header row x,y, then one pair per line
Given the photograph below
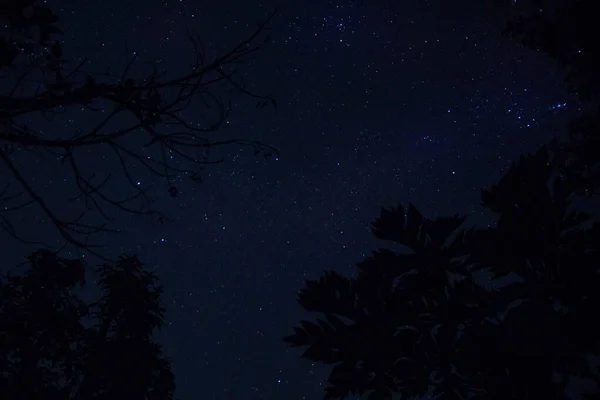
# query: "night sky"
x,y
379,102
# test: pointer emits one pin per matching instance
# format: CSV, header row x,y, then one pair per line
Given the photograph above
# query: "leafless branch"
x,y
154,107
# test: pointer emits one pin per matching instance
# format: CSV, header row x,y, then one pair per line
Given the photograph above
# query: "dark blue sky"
x,y
380,102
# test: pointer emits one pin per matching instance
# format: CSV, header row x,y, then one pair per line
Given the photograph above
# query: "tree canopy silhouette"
x,y
566,31
414,319
132,120
422,318
55,346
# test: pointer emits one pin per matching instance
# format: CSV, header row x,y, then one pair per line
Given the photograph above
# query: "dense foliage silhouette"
x,y
420,317
54,346
422,320
566,30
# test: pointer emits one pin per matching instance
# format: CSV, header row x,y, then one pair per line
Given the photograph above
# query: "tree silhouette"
x,y
566,31
54,346
420,318
136,119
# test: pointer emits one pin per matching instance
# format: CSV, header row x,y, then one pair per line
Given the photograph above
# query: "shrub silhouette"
x,y
54,346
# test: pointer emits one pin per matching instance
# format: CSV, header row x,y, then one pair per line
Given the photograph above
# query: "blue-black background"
x,y
379,102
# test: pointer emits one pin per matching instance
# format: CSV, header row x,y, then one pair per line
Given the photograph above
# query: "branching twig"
x,y
156,105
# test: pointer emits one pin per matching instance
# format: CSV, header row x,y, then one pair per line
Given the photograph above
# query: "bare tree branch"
x,y
136,115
